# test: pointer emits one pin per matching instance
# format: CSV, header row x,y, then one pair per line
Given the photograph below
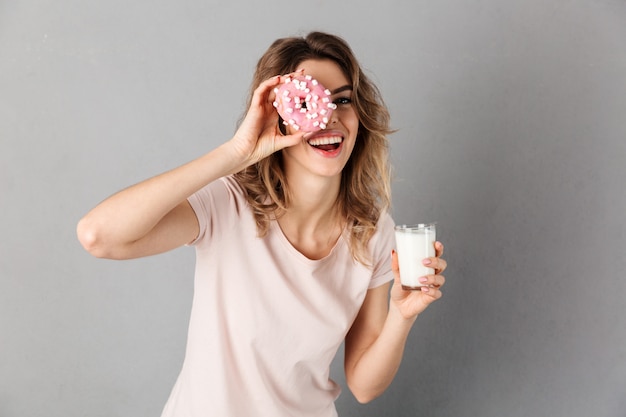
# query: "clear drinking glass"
x,y
414,243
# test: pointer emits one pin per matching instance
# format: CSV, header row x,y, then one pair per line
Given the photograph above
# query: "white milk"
x,y
414,244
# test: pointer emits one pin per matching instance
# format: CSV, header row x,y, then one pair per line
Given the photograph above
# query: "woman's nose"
x,y
334,117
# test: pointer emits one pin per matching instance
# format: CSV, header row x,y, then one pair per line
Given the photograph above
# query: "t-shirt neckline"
x,y
275,228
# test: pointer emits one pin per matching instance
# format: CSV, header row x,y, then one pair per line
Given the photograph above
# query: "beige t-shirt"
x,y
266,321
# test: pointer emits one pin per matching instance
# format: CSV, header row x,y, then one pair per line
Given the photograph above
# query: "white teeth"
x,y
325,141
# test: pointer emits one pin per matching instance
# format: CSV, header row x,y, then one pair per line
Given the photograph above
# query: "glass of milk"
x,y
414,243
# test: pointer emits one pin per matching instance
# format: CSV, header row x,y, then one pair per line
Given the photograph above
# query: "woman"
x,y
294,248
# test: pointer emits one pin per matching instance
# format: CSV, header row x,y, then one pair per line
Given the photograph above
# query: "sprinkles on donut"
x,y
303,103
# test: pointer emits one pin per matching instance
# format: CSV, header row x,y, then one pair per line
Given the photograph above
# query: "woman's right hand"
x,y
259,135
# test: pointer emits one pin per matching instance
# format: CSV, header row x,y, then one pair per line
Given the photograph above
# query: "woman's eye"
x,y
342,100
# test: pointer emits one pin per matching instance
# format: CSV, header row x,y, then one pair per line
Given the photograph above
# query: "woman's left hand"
x,y
410,303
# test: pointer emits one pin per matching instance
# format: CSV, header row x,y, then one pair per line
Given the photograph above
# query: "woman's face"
x,y
315,154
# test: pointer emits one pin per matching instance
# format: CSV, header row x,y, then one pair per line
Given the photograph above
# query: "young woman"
x,y
294,248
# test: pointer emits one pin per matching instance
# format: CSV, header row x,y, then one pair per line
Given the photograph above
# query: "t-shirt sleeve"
x,y
382,243
221,200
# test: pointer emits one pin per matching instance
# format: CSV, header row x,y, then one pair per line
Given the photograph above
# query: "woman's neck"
x,y
313,199
312,222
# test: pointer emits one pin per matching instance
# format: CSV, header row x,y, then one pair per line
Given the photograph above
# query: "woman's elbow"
x,y
363,396
90,238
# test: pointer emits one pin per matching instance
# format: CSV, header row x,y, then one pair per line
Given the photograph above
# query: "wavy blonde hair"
x,y
365,191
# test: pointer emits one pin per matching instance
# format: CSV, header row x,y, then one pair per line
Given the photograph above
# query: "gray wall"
x,y
511,135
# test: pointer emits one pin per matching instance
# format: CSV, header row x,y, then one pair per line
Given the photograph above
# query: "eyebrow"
x,y
340,89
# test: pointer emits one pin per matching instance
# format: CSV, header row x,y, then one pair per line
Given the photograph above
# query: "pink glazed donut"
x,y
303,103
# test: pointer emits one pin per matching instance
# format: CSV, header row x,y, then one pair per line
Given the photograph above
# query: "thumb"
x,y
289,140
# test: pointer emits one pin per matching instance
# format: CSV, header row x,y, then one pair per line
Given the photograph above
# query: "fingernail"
x,y
423,279
426,261
425,289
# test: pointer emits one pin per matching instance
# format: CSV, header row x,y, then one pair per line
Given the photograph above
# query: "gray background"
x,y
511,135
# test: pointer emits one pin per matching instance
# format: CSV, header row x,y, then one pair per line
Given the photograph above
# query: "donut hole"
x,y
304,105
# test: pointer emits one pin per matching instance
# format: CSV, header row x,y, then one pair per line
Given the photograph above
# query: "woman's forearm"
x,y
378,364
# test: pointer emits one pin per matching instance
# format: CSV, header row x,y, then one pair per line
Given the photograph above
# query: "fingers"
x,y
282,78
438,249
264,119
432,281
431,294
294,74
262,93
438,264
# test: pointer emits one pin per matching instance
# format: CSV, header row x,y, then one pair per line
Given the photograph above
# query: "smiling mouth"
x,y
326,143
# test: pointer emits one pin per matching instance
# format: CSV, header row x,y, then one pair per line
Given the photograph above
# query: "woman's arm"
x,y
154,215
375,343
